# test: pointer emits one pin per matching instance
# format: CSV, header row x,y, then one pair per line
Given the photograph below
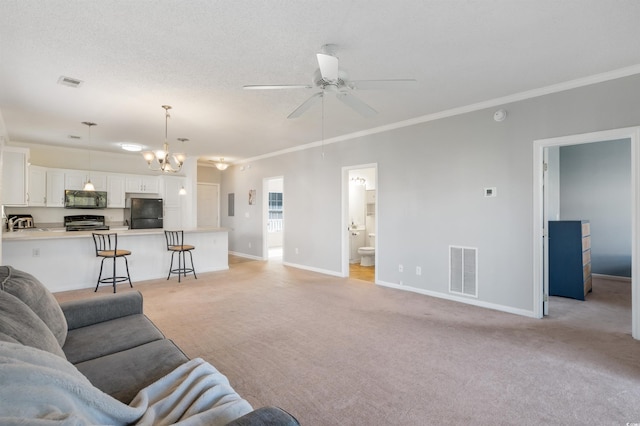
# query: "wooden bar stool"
x,y
107,248
175,244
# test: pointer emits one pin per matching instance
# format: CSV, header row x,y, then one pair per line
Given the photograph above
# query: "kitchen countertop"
x,y
55,233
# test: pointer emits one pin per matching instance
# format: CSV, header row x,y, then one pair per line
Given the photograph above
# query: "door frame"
x,y
539,237
344,225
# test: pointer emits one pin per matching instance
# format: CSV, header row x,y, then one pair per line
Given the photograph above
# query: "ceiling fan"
x,y
329,78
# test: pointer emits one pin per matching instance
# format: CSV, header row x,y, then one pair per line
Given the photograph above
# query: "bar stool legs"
x,y
175,244
106,246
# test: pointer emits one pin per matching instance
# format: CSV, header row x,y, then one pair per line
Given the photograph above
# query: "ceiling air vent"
x,y
68,81
463,270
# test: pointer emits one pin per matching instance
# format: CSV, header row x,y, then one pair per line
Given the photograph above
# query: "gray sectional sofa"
x,y
108,339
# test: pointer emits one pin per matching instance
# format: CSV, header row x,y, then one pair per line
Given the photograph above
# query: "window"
x,y
275,205
274,224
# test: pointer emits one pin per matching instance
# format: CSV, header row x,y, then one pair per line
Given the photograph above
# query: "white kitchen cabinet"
x,y
142,184
173,202
14,176
37,193
99,181
76,179
55,188
115,191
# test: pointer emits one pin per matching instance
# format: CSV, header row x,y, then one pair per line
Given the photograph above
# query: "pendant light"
x,y
88,186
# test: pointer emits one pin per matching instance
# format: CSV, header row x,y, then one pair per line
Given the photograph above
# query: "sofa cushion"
x,y
109,337
32,292
123,374
19,324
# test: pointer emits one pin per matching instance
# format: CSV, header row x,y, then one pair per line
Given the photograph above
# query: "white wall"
x,y
430,192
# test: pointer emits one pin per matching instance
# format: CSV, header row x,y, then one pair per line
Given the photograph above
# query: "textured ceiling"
x,y
134,56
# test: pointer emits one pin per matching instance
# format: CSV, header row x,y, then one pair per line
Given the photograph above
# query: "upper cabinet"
x,y
115,191
37,193
37,186
55,188
142,184
14,176
76,179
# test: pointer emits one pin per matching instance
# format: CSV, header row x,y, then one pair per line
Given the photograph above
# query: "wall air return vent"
x,y
463,270
68,81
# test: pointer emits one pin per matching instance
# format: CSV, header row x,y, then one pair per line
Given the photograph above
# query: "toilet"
x,y
368,254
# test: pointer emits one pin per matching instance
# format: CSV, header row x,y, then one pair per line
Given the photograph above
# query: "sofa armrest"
x,y
266,416
80,313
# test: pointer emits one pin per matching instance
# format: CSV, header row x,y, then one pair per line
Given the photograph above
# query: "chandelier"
x,y
162,159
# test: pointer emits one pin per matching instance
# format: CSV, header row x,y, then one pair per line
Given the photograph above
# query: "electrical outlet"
x,y
249,245
400,268
297,250
36,252
418,270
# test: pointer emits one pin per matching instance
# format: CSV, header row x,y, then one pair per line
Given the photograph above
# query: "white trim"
x,y
454,298
612,277
246,256
520,96
345,216
312,269
265,216
632,133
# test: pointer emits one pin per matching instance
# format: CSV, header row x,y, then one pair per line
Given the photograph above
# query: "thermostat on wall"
x,y
491,192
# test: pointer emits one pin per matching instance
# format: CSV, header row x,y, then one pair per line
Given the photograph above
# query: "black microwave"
x,y
85,199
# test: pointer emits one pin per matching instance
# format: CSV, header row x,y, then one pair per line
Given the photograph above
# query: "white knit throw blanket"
x,y
37,387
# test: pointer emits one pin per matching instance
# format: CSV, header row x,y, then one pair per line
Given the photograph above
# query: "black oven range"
x,y
85,222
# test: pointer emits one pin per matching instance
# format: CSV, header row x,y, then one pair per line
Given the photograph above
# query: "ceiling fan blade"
x,y
306,105
328,67
276,86
355,103
403,83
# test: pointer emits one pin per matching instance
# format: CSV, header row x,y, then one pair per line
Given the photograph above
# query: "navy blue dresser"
x,y
569,258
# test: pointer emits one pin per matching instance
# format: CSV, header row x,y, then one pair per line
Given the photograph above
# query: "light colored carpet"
x,y
337,351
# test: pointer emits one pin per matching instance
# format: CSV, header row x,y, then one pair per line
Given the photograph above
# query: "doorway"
x,y
273,218
360,207
544,209
208,213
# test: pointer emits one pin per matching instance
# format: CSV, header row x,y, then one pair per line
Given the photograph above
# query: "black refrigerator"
x,y
144,213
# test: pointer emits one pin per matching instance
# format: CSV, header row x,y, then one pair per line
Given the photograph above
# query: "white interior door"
x,y
208,205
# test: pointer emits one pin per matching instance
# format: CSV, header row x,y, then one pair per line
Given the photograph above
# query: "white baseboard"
x,y
474,302
247,256
612,277
312,269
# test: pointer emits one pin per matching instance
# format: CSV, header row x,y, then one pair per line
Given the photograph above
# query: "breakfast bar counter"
x,y
66,260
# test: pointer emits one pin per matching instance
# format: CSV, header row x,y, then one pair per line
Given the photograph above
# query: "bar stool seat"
x,y
106,246
175,244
